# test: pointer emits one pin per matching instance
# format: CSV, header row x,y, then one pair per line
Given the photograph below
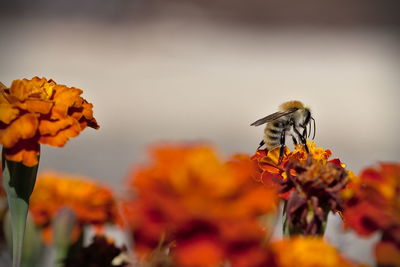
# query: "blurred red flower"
x,y
373,205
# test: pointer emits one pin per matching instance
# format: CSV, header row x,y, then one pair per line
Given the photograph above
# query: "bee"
x,y
292,119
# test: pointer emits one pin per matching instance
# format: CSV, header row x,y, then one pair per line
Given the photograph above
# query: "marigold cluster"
x,y
309,182
40,111
307,252
205,209
91,203
372,205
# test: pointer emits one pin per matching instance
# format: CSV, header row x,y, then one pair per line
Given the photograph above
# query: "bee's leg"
x,y
294,140
304,131
261,144
282,149
302,139
314,127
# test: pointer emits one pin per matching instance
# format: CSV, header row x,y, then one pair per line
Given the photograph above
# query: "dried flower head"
x,y
314,192
92,204
373,205
40,111
206,209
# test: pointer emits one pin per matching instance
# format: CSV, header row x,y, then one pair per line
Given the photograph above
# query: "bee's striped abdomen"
x,y
273,132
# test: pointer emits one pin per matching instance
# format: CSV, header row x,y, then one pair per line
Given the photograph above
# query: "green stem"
x,y
18,182
33,245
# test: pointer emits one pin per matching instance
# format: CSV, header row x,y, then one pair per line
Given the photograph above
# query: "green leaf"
x,y
18,182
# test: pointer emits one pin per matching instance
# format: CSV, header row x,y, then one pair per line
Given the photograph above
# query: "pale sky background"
x,y
183,76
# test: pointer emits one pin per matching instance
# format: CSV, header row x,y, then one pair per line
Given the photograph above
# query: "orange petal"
x,y
39,87
52,127
22,128
28,158
387,254
62,136
64,98
7,113
33,105
200,252
87,110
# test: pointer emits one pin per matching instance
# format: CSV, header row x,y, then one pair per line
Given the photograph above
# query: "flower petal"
x,y
62,136
36,106
64,98
28,157
7,113
52,127
22,128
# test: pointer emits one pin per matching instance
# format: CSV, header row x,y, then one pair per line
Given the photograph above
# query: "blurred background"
x,y
202,70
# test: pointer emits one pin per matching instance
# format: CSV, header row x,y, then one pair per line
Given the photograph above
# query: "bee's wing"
x,y
273,117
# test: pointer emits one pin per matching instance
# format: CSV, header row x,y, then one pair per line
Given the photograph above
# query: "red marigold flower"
x,y
373,205
208,209
40,111
92,203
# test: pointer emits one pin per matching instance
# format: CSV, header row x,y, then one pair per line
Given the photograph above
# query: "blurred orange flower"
x,y
40,111
373,204
206,209
307,252
92,204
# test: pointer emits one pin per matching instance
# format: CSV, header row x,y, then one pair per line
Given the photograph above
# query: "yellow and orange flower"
x,y
40,111
208,210
270,167
373,205
309,182
307,252
91,203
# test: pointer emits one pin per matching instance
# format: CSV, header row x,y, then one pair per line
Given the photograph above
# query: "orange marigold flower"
x,y
307,252
92,204
373,204
209,209
269,166
40,111
309,182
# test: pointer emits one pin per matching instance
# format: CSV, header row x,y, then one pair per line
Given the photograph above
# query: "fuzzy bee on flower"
x,y
294,119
